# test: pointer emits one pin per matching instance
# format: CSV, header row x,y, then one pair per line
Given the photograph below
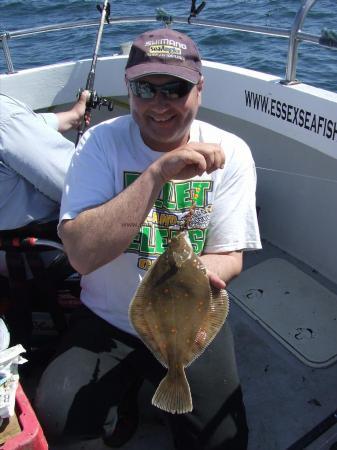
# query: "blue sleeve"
x,y
35,151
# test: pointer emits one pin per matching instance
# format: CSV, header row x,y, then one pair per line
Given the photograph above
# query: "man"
x,y
131,183
34,159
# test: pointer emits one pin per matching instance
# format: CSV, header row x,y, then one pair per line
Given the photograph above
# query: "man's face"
x,y
165,123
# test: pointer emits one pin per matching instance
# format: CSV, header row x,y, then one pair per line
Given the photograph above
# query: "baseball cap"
x,y
164,52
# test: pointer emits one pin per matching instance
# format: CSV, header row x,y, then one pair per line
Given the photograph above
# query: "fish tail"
x,y
173,393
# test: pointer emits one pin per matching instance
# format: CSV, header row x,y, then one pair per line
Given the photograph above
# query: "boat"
x,y
284,304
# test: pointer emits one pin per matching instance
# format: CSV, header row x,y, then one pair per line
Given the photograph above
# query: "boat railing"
x,y
295,35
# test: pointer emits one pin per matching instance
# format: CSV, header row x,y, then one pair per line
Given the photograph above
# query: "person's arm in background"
x,y
74,116
32,148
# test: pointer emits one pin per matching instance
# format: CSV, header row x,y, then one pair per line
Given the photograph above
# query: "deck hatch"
x,y
298,311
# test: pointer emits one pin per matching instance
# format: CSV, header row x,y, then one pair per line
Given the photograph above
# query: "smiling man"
x,y
131,183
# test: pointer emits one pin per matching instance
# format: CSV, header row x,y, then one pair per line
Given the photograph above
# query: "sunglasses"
x,y
172,90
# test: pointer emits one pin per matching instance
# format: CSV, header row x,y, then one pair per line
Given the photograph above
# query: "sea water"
x,y
316,65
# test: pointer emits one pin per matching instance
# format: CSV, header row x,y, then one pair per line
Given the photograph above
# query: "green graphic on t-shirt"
x,y
176,198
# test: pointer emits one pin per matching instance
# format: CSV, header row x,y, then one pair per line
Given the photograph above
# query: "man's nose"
x,y
160,99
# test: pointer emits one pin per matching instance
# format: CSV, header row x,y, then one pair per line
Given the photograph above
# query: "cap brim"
x,y
142,70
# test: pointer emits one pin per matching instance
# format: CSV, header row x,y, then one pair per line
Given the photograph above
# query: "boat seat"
x,y
31,281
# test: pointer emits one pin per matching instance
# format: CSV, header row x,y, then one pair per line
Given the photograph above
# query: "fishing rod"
x,y
94,100
195,10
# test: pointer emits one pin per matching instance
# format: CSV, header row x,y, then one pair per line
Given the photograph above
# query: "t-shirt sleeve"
x,y
90,178
233,225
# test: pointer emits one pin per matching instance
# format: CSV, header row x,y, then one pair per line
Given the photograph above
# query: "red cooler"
x,y
31,436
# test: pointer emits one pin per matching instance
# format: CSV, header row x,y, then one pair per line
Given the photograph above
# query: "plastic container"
x,y
31,436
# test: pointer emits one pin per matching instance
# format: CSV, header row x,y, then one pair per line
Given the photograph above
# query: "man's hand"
x,y
215,280
73,117
79,110
222,267
189,160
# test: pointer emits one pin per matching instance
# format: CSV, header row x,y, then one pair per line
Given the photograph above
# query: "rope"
x,y
195,192
297,174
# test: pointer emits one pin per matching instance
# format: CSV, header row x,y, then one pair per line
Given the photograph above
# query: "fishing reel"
x,y
105,101
95,101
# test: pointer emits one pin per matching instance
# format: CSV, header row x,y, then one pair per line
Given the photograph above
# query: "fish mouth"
x,y
185,236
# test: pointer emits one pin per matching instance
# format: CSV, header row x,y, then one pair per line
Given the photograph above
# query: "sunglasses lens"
x,y
177,89
172,91
142,89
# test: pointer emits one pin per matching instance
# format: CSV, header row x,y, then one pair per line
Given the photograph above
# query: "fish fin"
x,y
139,321
215,318
220,304
173,393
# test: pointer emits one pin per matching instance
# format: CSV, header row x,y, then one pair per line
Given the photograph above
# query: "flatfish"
x,y
177,313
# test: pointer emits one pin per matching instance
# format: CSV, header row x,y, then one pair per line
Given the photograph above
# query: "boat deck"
x,y
285,399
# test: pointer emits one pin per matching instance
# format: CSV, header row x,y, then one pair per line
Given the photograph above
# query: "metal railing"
x,y
294,40
294,35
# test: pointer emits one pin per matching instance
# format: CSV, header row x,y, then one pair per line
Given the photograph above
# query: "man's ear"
x,y
200,85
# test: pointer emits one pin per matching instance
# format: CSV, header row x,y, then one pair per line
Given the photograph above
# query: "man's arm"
x,y
222,267
36,152
100,234
33,149
73,118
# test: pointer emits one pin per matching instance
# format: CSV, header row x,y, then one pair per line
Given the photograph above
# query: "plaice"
x,y
177,313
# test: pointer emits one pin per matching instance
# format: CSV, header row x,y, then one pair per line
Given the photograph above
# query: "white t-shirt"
x,y
109,157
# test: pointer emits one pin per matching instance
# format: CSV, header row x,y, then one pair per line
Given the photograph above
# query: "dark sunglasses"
x,y
172,90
